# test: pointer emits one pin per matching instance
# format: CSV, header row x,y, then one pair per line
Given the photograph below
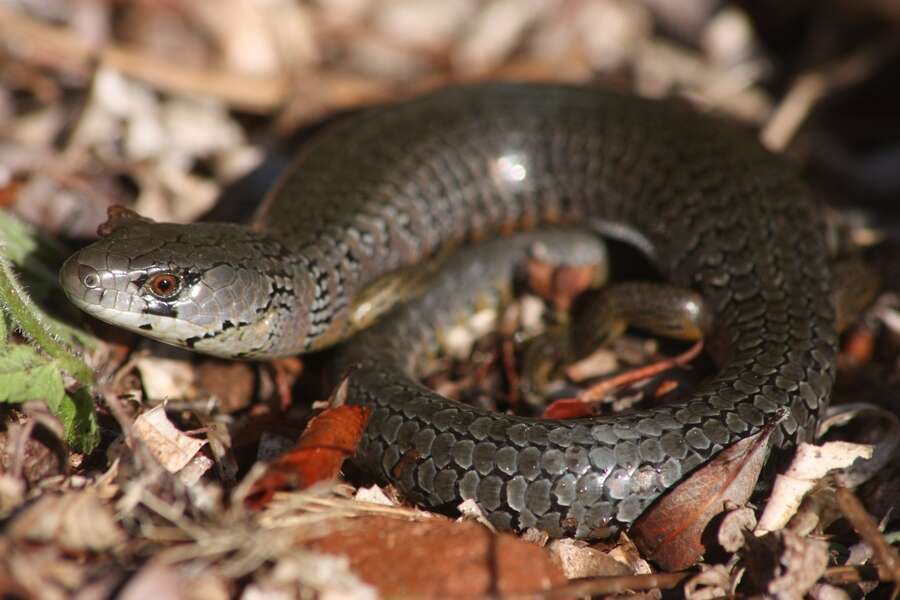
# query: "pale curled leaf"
x,y
814,462
195,469
734,526
810,464
373,494
577,559
670,532
627,553
882,429
470,511
172,448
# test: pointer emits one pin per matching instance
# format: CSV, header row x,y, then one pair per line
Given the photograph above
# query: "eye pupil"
x,y
164,285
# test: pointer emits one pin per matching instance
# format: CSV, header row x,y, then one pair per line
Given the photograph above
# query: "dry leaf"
x,y
810,464
628,554
441,559
329,439
577,559
76,520
568,408
157,580
734,527
670,532
195,469
469,510
172,448
330,576
373,494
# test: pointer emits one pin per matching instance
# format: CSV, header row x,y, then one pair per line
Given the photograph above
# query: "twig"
x,y
617,584
596,392
845,574
63,50
886,556
810,87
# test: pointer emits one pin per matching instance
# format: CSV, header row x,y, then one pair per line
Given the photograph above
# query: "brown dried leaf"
x,y
577,559
734,528
76,520
329,439
627,553
810,464
670,532
445,560
172,448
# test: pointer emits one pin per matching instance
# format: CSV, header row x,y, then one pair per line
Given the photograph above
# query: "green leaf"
x,y
37,255
76,412
42,332
36,371
26,375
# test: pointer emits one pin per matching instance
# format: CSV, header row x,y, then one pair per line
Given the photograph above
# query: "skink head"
x,y
215,288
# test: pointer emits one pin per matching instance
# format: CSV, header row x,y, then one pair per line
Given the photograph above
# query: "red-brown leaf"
x,y
329,438
670,532
440,559
568,408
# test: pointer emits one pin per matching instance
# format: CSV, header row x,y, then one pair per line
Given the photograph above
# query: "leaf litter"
x,y
161,106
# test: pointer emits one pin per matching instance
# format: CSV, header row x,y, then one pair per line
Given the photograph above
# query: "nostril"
x,y
88,276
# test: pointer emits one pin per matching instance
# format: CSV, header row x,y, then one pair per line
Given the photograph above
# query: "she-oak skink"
x,y
394,186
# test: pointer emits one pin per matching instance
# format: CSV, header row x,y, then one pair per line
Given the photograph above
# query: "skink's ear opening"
x,y
119,216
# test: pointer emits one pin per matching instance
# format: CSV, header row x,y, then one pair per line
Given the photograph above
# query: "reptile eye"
x,y
164,285
92,280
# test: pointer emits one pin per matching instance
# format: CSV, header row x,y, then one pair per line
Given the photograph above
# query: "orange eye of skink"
x,y
164,285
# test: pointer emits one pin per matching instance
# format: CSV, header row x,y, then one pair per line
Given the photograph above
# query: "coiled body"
x,y
395,185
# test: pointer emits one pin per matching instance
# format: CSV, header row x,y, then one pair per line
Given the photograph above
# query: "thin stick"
x,y
596,392
58,48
